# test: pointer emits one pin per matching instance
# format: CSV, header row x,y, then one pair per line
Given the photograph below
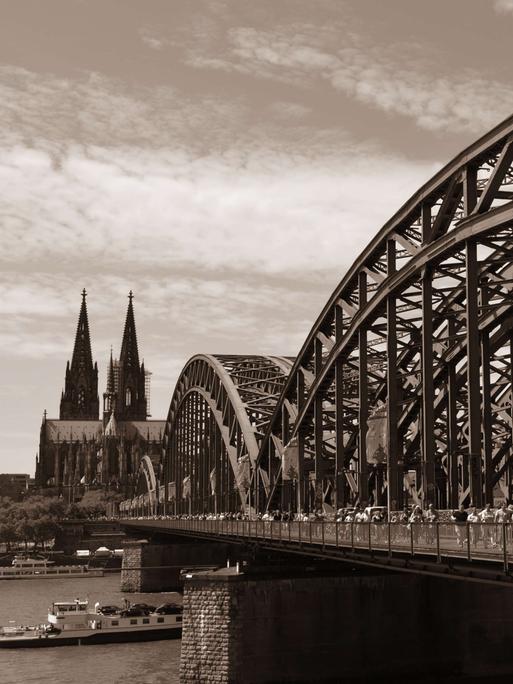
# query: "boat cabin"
x,y
64,608
69,614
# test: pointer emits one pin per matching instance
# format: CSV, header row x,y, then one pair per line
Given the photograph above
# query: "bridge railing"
x,y
471,541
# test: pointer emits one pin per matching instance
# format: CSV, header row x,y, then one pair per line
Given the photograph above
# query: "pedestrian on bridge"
x,y
460,517
432,520
404,519
501,516
487,518
359,518
474,527
349,520
377,520
416,520
510,531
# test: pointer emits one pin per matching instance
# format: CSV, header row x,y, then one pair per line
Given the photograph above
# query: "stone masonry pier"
x,y
156,567
247,629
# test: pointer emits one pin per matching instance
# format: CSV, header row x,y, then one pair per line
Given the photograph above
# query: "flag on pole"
x,y
377,436
290,461
243,478
171,491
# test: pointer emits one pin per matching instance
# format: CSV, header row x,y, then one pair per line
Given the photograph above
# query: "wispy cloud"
x,y
118,196
393,79
503,6
250,212
289,111
151,40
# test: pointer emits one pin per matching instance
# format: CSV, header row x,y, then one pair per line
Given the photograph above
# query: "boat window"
x,y
81,607
115,623
160,619
178,618
146,621
133,622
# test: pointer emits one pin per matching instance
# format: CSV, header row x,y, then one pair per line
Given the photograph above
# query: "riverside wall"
x,y
242,629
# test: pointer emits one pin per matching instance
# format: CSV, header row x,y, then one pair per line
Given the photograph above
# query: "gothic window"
x,y
81,397
128,397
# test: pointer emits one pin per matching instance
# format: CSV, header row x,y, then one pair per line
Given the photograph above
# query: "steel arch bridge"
x,y
402,387
218,416
404,382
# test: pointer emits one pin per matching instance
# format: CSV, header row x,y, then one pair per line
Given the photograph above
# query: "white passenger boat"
x,y
24,567
75,623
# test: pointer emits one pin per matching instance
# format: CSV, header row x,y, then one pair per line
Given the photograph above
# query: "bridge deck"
x,y
481,552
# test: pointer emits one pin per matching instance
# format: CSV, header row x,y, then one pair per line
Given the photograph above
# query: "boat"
x,y
25,567
75,623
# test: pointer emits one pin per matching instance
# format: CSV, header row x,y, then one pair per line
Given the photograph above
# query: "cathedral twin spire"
x,y
79,400
125,395
131,396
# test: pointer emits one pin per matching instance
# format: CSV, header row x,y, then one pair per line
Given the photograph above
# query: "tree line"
x,y
36,519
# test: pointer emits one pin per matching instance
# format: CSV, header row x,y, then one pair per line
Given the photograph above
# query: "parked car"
x,y
109,610
133,612
169,609
145,607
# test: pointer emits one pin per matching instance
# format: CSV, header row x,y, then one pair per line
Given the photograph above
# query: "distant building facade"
x,y
81,449
14,485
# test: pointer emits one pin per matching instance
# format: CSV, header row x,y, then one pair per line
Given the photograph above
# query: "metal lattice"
x,y
403,387
219,413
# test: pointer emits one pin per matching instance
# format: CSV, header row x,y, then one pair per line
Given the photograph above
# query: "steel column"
x,y
428,394
363,407
393,493
473,375
452,426
487,419
318,422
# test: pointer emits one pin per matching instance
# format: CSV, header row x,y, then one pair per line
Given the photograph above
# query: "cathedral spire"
x,y
129,352
131,396
82,356
79,401
111,383
109,396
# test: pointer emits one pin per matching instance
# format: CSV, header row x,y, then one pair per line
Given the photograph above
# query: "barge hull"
x,y
96,638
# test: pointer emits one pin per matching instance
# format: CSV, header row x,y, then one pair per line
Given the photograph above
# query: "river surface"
x,y
27,602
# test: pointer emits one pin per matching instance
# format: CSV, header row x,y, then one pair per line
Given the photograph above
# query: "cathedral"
x,y
83,449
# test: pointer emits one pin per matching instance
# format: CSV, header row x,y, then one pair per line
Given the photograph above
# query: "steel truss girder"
x,y
217,418
409,329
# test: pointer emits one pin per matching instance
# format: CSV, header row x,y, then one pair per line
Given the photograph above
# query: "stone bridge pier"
x,y
254,628
156,566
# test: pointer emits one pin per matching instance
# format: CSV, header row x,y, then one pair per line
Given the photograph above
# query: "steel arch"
x,y
405,378
218,415
147,481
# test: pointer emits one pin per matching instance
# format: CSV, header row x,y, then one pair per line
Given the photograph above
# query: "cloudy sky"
x,y
226,160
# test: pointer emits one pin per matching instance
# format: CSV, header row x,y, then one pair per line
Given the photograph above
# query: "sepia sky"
x,y
226,160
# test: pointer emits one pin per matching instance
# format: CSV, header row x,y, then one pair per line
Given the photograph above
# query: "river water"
x,y
27,602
